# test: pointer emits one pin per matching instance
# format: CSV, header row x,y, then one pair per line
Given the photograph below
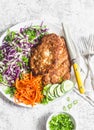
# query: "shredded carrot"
x,y
28,89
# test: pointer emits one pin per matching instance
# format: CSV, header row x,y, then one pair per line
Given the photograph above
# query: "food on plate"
x,y
28,89
50,58
34,65
15,52
10,90
61,121
53,91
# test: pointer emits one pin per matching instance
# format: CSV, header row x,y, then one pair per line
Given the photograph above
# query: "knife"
x,y
73,57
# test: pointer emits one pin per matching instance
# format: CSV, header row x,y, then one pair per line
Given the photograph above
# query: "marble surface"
x,y
78,14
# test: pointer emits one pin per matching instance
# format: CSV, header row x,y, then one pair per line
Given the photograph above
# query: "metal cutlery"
x,y
86,47
73,57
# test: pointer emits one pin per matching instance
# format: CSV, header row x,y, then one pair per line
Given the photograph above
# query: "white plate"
x,y
53,28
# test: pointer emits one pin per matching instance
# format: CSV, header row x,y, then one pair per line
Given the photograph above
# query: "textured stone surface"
x,y
78,14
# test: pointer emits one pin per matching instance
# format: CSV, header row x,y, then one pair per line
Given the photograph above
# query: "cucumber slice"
x,y
59,92
46,88
50,97
62,87
68,85
51,91
55,92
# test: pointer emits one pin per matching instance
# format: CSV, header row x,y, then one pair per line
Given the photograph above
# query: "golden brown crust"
x,y
50,58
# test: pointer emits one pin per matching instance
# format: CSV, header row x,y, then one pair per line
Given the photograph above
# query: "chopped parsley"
x,y
10,90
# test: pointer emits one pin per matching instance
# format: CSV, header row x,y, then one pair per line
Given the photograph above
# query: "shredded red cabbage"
x,y
15,51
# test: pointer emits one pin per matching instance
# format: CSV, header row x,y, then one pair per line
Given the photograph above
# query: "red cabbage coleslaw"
x,y
15,52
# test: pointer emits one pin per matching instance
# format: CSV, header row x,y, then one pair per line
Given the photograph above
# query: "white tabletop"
x,y
78,14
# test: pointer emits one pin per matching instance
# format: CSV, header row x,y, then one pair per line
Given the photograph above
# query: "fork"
x,y
86,47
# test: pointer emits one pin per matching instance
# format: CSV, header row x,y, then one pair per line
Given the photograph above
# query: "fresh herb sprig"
x,y
11,91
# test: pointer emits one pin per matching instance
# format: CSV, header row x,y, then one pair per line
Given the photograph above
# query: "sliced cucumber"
x,y
62,87
59,92
50,97
68,85
55,92
51,91
46,88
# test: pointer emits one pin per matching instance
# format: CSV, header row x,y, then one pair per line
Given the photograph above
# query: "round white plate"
x,y
53,28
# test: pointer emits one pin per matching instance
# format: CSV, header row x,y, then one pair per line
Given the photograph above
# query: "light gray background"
x,y
79,15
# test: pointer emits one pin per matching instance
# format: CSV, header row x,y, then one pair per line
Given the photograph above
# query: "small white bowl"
x,y
55,114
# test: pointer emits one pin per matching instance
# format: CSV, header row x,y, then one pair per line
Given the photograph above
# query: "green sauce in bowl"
x,y
61,121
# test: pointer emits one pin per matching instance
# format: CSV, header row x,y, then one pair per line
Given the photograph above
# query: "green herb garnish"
x,y
10,36
41,35
36,27
61,122
1,55
19,64
44,101
69,106
1,78
20,76
25,59
75,102
39,27
10,90
19,49
31,34
68,99
64,108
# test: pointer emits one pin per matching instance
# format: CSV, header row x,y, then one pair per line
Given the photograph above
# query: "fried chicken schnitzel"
x,y
50,58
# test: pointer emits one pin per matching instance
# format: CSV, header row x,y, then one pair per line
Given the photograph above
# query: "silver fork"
x,y
86,47
83,47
